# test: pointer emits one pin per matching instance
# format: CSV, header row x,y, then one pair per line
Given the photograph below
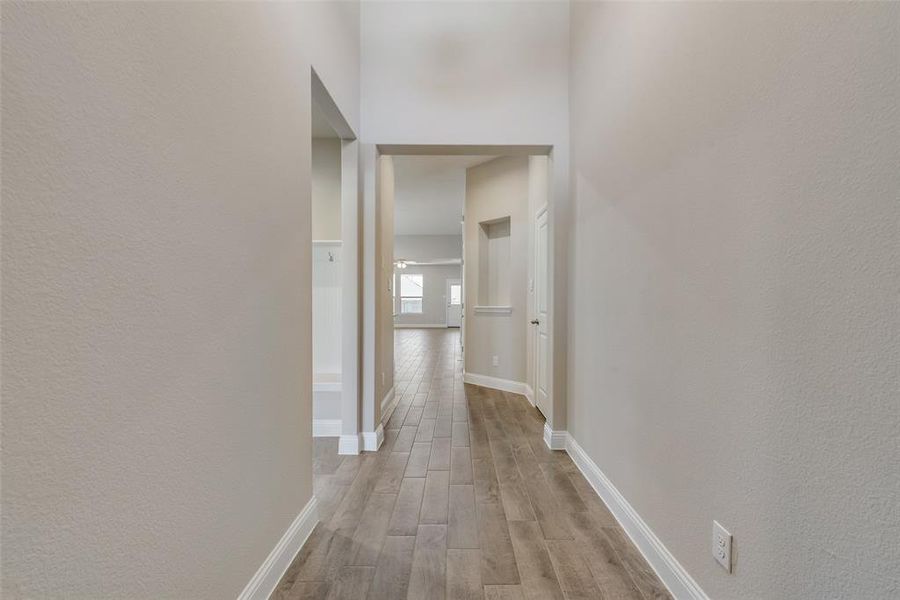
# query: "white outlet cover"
x,y
721,546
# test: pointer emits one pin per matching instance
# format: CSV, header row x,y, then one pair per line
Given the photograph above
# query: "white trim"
x,y
326,427
506,385
351,294
497,310
420,326
327,386
529,394
680,584
388,404
348,444
441,262
372,440
327,242
555,440
266,579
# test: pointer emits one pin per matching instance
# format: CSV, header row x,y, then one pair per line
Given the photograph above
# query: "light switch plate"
x,y
721,546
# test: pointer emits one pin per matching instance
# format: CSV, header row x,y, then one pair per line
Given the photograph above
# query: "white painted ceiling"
x,y
429,193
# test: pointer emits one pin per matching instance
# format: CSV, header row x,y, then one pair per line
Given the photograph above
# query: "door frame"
x,y
447,283
351,321
558,183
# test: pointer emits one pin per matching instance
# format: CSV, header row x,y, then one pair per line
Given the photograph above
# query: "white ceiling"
x,y
429,193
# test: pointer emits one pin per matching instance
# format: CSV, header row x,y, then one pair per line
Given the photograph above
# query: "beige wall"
x,y
734,334
326,189
156,297
497,189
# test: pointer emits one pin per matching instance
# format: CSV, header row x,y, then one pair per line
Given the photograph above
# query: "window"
x,y
455,293
411,287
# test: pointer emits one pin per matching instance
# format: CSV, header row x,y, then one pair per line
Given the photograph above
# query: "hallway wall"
x,y
155,326
734,327
495,190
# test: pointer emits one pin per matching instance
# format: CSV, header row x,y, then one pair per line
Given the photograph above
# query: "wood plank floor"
x,y
463,501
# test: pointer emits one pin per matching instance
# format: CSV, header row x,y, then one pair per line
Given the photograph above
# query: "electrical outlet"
x,y
721,546
496,361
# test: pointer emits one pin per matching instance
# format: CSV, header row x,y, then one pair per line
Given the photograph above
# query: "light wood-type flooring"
x,y
463,501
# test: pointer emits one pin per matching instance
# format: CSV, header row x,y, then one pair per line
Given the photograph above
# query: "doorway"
x,y
499,271
334,226
454,302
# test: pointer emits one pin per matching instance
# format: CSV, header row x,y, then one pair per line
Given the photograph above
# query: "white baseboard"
x,y
326,427
388,404
555,440
679,582
349,444
420,325
505,385
266,579
372,440
529,394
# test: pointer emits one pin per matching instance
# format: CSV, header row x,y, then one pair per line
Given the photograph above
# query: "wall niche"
x,y
493,263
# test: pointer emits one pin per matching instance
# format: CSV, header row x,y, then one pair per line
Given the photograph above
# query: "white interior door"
x,y
454,302
541,317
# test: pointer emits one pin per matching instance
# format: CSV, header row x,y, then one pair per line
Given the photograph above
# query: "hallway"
x,y
463,500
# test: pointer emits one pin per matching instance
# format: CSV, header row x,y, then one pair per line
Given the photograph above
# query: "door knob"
x,y
535,322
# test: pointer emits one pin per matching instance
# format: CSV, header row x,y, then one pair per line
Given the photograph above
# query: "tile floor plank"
x,y
574,576
417,466
498,561
372,529
352,583
392,571
503,592
460,465
405,518
464,574
536,570
427,578
436,498
462,530
440,454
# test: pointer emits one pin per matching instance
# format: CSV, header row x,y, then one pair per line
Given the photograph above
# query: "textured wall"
x,y
735,283
155,289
